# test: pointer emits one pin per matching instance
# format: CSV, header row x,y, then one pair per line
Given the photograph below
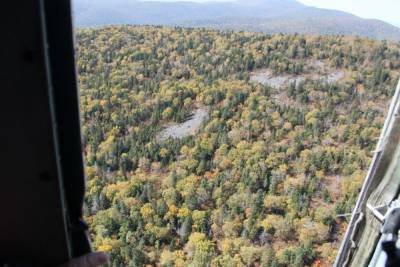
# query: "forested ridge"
x,y
262,181
268,16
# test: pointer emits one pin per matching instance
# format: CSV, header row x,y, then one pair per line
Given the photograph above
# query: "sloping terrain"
x,y
271,16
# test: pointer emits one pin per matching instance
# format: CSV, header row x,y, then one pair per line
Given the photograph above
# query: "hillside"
x,y
209,148
271,16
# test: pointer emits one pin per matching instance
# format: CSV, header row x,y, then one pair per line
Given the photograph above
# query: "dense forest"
x,y
266,178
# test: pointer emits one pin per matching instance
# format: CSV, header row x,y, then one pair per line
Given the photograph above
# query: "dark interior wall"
x,y
31,221
41,178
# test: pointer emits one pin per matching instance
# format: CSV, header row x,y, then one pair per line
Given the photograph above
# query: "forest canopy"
x,y
263,180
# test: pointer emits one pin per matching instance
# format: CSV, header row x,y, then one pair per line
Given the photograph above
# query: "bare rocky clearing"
x,y
187,128
315,70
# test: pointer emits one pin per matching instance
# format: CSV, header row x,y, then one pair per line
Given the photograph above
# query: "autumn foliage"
x,y
261,182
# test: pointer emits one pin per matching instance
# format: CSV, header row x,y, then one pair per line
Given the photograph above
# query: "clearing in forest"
x,y
187,128
314,70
